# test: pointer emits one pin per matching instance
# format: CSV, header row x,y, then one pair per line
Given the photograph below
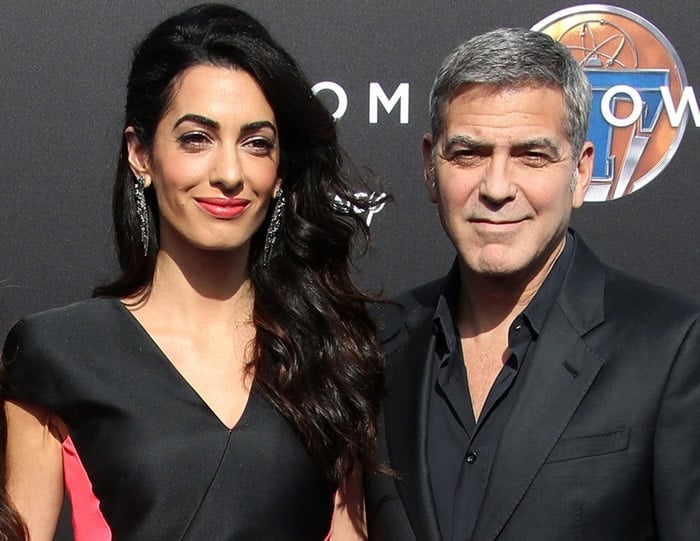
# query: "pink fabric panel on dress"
x,y
88,522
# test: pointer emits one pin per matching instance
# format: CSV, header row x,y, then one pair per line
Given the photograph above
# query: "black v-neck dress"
x,y
160,463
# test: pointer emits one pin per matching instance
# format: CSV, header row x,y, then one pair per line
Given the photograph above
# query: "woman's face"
x,y
214,160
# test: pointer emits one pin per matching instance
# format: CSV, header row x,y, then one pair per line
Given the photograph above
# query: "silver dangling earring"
x,y
274,227
142,211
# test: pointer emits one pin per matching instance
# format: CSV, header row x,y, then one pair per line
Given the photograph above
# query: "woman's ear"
x,y
138,157
278,185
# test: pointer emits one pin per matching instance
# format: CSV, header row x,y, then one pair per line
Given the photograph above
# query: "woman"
x,y
225,385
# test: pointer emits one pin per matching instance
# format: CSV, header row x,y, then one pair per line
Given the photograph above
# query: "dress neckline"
x,y
182,382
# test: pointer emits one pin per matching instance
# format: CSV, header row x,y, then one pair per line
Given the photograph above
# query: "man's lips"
x,y
497,225
222,207
496,222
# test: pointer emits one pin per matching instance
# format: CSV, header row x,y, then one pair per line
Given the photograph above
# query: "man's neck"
x,y
487,302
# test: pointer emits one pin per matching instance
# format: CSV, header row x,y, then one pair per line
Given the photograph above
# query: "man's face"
x,y
503,177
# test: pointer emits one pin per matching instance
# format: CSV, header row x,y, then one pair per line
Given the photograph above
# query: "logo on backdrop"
x,y
640,94
373,204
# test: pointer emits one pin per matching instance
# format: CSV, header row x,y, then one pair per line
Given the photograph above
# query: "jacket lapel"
x,y
406,413
560,372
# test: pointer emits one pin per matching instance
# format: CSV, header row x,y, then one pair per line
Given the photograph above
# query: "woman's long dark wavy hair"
x,y
315,357
11,526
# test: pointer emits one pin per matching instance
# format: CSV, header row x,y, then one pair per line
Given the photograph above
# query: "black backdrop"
x,y
63,70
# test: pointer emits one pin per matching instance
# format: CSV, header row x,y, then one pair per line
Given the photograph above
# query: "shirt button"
x,y
518,326
471,457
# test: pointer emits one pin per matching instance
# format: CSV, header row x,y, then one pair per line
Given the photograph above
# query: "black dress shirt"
x,y
460,450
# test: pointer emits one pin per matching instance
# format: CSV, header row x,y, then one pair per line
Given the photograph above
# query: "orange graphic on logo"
x,y
630,63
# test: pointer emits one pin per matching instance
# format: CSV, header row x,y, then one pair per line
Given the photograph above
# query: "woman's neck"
x,y
202,287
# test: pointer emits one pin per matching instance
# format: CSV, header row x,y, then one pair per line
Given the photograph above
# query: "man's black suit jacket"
x,y
603,442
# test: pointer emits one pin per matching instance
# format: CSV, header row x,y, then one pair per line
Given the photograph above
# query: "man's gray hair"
x,y
512,58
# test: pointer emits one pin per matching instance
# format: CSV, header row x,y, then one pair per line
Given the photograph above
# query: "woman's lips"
x,y
221,207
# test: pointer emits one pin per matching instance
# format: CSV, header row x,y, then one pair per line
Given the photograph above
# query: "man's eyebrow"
x,y
199,119
543,143
463,141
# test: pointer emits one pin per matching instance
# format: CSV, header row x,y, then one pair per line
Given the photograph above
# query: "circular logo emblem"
x,y
640,94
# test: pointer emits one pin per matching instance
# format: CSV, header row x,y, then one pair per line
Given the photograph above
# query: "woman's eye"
x,y
193,140
260,146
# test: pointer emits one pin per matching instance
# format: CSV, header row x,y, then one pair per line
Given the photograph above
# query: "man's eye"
x,y
535,159
464,156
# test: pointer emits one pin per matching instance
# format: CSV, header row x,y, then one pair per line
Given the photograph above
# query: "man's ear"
x,y
583,174
138,156
429,168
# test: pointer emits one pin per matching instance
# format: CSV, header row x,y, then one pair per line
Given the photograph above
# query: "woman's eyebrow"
x,y
257,125
199,119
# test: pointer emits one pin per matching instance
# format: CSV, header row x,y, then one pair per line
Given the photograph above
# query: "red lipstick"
x,y
223,207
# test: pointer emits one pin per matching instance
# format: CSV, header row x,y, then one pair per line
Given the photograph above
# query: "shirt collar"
x,y
443,320
536,311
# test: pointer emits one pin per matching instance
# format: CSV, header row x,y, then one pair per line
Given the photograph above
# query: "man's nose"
x,y
497,181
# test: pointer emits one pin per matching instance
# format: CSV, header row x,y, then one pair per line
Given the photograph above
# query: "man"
x,y
533,393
